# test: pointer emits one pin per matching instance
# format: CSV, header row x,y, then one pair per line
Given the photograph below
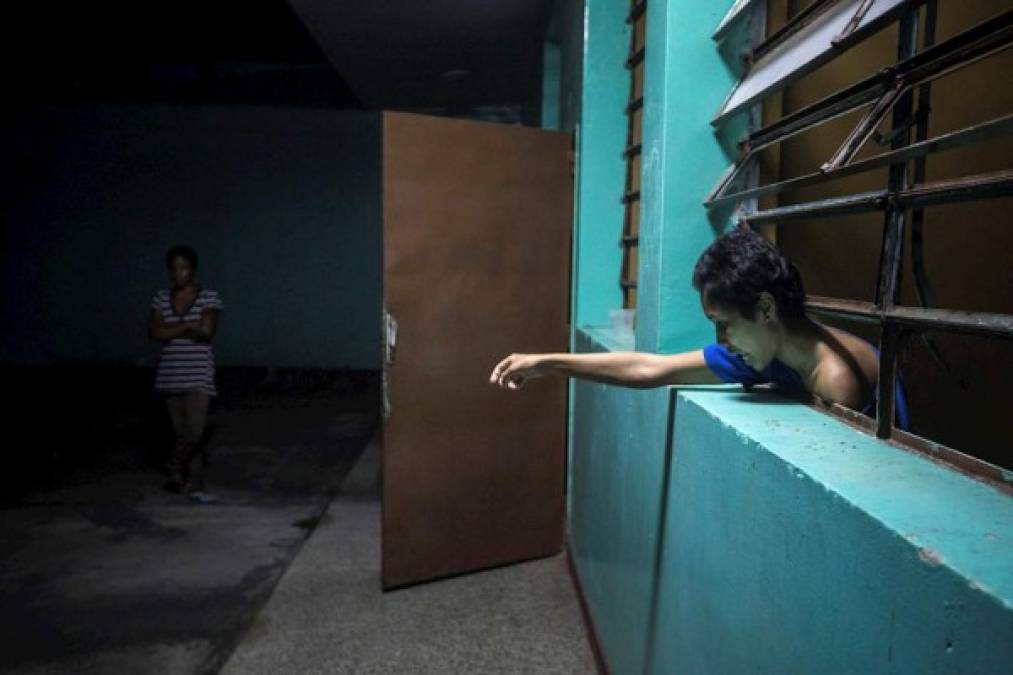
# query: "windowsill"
x,y
609,339
951,520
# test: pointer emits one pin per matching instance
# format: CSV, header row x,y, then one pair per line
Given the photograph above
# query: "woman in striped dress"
x,y
184,320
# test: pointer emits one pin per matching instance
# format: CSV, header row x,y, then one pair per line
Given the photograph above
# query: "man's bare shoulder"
x,y
848,368
835,382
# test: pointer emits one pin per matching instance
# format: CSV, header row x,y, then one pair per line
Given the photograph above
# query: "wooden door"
x,y
476,221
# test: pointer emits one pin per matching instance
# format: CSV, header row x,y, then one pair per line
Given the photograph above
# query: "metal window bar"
x,y
797,23
631,196
888,87
961,50
999,126
937,452
807,16
636,58
820,40
922,286
906,194
639,8
981,186
866,127
854,23
629,238
916,318
737,11
951,56
892,251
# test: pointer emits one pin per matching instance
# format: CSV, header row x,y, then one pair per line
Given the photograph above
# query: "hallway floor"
x,y
328,614
103,572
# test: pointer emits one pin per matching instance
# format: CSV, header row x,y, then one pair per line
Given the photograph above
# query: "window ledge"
x,y
608,339
949,519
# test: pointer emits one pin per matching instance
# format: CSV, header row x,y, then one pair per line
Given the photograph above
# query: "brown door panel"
x,y
476,264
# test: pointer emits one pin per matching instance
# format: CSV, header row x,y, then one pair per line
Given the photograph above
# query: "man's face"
x,y
756,339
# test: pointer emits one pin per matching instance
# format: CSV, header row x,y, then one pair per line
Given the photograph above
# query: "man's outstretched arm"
x,y
640,370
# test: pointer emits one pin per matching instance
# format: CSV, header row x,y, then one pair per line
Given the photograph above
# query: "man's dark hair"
x,y
740,265
184,252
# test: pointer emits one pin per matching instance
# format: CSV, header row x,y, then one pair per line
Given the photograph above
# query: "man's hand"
x,y
516,369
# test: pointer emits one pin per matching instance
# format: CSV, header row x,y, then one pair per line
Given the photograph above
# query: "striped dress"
x,y
186,365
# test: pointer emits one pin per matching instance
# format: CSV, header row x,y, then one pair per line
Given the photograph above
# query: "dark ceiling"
x,y
178,51
432,53
331,53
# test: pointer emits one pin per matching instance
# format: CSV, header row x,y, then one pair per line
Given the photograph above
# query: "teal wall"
x,y
601,173
551,83
686,79
281,204
721,532
715,531
795,544
616,472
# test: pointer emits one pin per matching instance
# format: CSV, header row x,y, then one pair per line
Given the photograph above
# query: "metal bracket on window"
x,y
730,180
737,11
865,128
725,181
793,26
920,116
854,23
791,54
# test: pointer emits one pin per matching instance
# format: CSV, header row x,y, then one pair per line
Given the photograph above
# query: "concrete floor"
x,y
102,572
329,615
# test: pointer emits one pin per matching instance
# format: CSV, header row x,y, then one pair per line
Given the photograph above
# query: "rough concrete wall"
x,y
968,247
600,174
830,553
742,532
686,79
614,516
794,544
281,204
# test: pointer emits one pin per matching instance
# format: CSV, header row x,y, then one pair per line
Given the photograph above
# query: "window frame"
x,y
629,239
902,200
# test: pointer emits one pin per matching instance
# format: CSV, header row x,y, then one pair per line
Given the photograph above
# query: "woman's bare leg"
x,y
195,405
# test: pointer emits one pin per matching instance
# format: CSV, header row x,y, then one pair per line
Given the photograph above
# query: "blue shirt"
x,y
731,367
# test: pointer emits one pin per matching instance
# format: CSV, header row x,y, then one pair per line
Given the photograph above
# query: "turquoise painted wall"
x,y
686,79
601,173
795,544
281,204
721,532
614,524
551,83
